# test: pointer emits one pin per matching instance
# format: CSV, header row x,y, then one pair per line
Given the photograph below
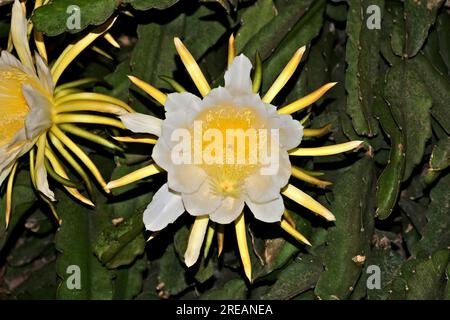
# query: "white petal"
x,y
19,26
262,188
284,170
165,208
228,211
217,96
271,211
291,132
203,201
183,102
42,181
39,118
175,121
237,77
142,123
44,74
8,59
161,155
185,178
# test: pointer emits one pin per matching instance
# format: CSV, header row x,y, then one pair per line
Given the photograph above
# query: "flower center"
x,y
13,106
231,139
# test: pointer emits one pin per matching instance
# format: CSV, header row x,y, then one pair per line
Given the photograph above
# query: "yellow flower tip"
x,y
107,189
89,203
149,89
329,216
231,49
300,51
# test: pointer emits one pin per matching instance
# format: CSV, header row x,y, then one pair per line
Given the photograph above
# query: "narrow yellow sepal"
x,y
220,238
317,132
150,90
209,239
192,68
327,150
307,201
195,241
306,100
241,237
134,176
89,106
59,169
288,217
81,155
304,176
293,232
284,76
93,98
102,52
72,51
87,118
136,140
9,191
231,50
108,37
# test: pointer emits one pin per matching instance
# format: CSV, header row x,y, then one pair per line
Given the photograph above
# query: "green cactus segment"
x,y
128,281
388,184
436,233
150,4
419,17
150,61
234,289
388,260
253,20
438,85
172,277
272,33
76,264
362,57
348,241
410,111
119,245
439,160
306,29
305,269
422,279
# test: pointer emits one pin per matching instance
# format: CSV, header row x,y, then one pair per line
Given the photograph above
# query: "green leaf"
x,y
436,233
252,20
232,290
410,110
155,55
120,245
352,233
128,281
151,4
171,273
438,86
388,184
305,269
53,18
74,240
422,279
389,261
301,33
362,56
271,34
419,17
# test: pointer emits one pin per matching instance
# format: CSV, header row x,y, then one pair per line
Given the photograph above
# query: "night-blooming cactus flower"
x,y
35,114
226,150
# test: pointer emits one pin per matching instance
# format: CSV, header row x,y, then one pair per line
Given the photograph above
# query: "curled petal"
x,y
165,208
142,123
